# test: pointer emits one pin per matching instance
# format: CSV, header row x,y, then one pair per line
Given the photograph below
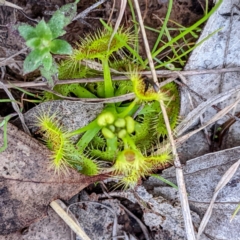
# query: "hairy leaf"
x,y
43,30
47,61
59,46
27,31
49,74
33,61
34,42
56,24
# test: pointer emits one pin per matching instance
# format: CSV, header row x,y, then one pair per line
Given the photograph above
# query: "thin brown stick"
x,y
119,19
112,11
3,63
9,4
160,73
179,172
121,98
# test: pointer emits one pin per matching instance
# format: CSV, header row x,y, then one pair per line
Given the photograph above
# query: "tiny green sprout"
x,y
42,39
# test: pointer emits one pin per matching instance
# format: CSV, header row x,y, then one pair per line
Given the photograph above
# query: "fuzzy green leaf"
x,y
47,61
56,24
43,30
27,31
69,11
60,47
33,60
34,42
50,74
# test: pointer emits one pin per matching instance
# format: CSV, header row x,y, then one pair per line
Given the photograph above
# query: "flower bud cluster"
x,y
114,126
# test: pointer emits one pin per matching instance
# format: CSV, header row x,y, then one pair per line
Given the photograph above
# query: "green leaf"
x,y
33,60
56,24
69,11
49,74
165,180
60,47
34,42
27,31
43,30
47,61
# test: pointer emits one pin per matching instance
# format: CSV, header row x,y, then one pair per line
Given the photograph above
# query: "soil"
x,y
185,12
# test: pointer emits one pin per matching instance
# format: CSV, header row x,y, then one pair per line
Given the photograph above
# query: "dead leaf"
x,y
27,185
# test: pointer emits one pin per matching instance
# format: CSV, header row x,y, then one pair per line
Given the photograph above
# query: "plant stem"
x,y
128,109
108,87
87,138
112,144
91,125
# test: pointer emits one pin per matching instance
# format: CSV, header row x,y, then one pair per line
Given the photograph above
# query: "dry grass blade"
x,y
119,19
179,172
9,4
83,14
219,115
115,222
6,60
222,183
160,73
16,108
201,108
128,96
59,207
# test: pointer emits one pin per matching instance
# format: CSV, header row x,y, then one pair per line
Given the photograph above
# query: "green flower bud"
x,y
105,118
130,124
112,128
120,122
107,133
122,133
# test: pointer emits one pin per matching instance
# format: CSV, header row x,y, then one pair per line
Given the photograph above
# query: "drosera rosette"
x,y
101,46
96,46
143,89
131,165
64,153
57,140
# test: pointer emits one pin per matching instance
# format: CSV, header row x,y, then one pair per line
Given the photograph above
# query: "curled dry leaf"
x,y
27,184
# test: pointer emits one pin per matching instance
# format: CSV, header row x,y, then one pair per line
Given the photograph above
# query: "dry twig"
x,y
179,172
160,73
214,119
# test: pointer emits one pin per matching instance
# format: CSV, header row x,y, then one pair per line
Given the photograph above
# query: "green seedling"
x,y
42,40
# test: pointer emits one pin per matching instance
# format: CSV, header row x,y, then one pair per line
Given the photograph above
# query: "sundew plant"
x,y
128,137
